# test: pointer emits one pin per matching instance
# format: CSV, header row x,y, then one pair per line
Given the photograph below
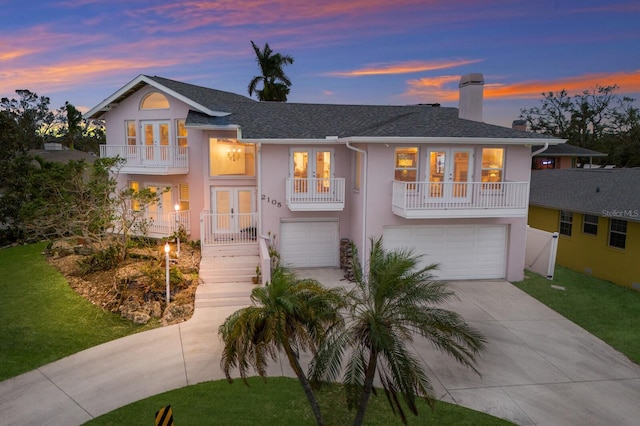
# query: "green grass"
x,y
606,310
279,401
42,319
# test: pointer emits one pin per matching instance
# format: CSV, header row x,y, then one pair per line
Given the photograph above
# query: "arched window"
x,y
154,100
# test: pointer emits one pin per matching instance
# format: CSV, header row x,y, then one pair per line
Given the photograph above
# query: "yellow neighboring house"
x,y
597,213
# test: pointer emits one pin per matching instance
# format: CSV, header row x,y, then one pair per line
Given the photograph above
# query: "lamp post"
x,y
166,251
177,209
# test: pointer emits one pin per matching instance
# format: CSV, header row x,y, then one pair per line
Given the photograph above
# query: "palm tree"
x,y
386,310
288,315
275,84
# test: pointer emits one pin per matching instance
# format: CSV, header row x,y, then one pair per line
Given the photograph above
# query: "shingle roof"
x,y
601,192
266,120
210,98
279,120
567,150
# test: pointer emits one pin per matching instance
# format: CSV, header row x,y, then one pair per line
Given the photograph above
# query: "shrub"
x,y
102,260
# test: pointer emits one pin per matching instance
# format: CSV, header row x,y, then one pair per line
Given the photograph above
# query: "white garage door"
x,y
463,251
309,243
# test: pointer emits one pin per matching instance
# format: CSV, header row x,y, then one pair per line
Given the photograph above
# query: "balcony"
x,y
430,200
316,194
149,159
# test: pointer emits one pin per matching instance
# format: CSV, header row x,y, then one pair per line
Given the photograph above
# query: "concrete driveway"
x,y
538,369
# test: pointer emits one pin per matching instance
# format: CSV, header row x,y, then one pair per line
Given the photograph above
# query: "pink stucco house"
x,y
434,179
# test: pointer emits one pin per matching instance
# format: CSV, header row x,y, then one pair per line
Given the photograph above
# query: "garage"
x,y
463,251
309,243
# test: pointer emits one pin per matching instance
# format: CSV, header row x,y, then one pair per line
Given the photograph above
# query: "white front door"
x,y
156,139
234,209
448,174
312,172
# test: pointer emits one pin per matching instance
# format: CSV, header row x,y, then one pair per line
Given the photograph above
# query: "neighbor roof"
x,y
601,192
567,150
265,121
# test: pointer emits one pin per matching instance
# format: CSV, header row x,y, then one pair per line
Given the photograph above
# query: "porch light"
x,y
166,251
177,209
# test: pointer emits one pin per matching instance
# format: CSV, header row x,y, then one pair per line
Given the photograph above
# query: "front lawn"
x,y
606,310
42,319
279,401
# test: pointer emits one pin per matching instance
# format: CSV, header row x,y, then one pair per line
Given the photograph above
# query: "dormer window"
x,y
154,100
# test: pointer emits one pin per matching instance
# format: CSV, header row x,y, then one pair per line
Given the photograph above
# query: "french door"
x,y
312,172
159,213
234,209
449,174
156,140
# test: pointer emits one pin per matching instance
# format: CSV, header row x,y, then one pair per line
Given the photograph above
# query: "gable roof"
x,y
567,150
274,122
601,192
203,99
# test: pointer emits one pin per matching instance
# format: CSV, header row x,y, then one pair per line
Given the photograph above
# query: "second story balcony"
x,y
316,194
430,200
150,159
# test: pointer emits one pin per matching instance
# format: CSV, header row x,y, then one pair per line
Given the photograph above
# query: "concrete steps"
x,y
225,275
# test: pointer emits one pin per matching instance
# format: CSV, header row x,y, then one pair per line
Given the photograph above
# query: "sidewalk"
x,y
539,368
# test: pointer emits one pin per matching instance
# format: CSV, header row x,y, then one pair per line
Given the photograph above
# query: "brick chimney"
x,y
471,88
519,125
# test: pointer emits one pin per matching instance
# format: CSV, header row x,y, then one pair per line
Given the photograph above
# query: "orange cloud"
x,y
66,75
445,88
629,82
404,67
14,54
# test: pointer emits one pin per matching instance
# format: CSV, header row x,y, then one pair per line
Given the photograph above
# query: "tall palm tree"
x,y
275,83
389,306
287,315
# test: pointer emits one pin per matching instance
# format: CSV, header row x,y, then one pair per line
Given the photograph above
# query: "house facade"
x,y
597,214
433,179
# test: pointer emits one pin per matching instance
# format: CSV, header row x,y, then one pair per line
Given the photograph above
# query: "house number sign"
x,y
271,201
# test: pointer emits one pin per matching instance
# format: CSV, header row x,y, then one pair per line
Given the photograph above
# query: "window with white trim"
x,y
181,133
566,222
130,131
492,164
590,224
617,233
357,170
406,164
183,195
135,187
154,100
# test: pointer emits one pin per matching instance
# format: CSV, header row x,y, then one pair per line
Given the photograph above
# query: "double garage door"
x,y
309,243
462,251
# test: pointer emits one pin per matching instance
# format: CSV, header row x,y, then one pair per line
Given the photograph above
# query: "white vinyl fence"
x,y
542,247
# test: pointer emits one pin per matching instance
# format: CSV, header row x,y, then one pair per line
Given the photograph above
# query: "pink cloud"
x,y
445,88
404,67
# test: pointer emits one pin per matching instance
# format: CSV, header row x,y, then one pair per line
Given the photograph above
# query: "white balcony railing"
x,y
228,228
159,225
422,200
149,159
316,194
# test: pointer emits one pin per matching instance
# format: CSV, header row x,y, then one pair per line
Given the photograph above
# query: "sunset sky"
x,y
346,51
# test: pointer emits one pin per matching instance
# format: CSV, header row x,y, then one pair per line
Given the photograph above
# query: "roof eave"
x,y
452,140
109,103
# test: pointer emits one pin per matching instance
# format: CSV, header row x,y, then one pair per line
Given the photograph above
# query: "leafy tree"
x,y
32,115
81,200
593,119
275,84
391,304
288,315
